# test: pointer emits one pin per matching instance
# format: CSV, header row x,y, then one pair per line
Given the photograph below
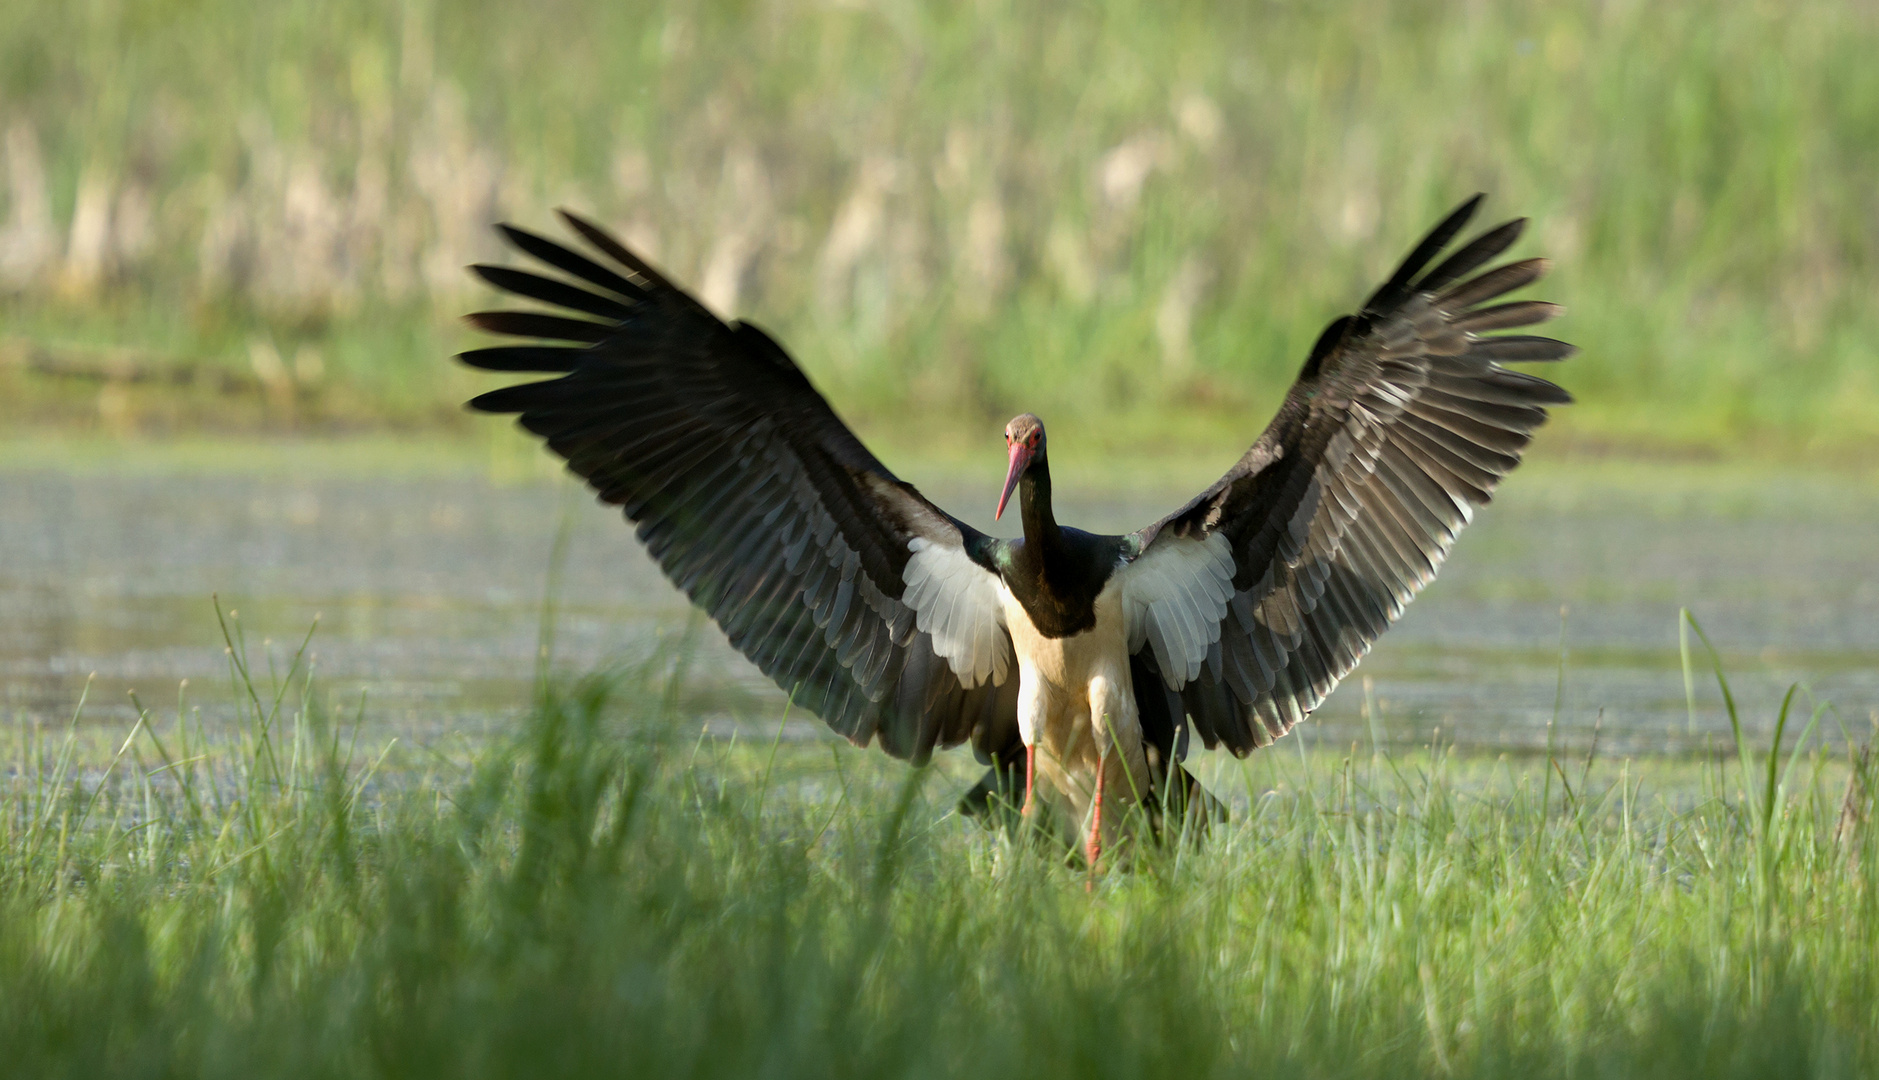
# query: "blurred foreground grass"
x,y
1129,217
608,894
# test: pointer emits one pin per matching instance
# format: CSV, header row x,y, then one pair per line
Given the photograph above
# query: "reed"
x,y
1098,213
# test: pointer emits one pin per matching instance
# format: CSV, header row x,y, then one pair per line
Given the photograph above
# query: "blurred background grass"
x,y
1131,218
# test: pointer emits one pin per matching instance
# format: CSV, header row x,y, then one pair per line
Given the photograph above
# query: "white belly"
x,y
1076,706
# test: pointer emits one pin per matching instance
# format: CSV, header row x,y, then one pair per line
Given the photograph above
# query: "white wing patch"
x,y
957,601
1175,595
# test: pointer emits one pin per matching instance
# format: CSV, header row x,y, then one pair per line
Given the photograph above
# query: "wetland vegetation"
x,y
1130,218
603,892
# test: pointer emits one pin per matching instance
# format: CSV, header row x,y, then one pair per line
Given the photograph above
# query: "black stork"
x,y
1087,659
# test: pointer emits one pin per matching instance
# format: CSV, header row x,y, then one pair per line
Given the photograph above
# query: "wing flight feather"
x,y
843,584
1401,423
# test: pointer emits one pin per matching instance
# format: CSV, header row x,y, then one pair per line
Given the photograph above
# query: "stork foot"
x,y
1094,847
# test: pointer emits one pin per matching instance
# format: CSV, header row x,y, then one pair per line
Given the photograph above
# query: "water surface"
x,y
429,588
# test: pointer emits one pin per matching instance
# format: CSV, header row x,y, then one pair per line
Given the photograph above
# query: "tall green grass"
x,y
608,893
1114,214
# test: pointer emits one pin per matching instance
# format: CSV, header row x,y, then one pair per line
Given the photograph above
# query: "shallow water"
x,y
429,591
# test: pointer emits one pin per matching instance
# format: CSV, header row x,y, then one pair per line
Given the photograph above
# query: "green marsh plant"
x,y
610,890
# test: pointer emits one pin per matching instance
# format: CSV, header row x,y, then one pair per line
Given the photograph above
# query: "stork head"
x,y
1024,440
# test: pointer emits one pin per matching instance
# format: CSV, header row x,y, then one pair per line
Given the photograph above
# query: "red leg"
x,y
1095,848
1030,777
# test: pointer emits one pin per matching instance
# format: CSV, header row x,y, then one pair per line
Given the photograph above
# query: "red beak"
x,y
1020,461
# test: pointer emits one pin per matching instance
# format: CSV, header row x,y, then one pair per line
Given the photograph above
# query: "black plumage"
x,y
750,493
769,513
1400,424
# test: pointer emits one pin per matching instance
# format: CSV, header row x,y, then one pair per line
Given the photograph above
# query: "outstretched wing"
x,y
861,599
1250,603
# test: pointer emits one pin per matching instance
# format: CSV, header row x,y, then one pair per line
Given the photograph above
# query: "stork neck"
x,y
1040,525
1054,573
